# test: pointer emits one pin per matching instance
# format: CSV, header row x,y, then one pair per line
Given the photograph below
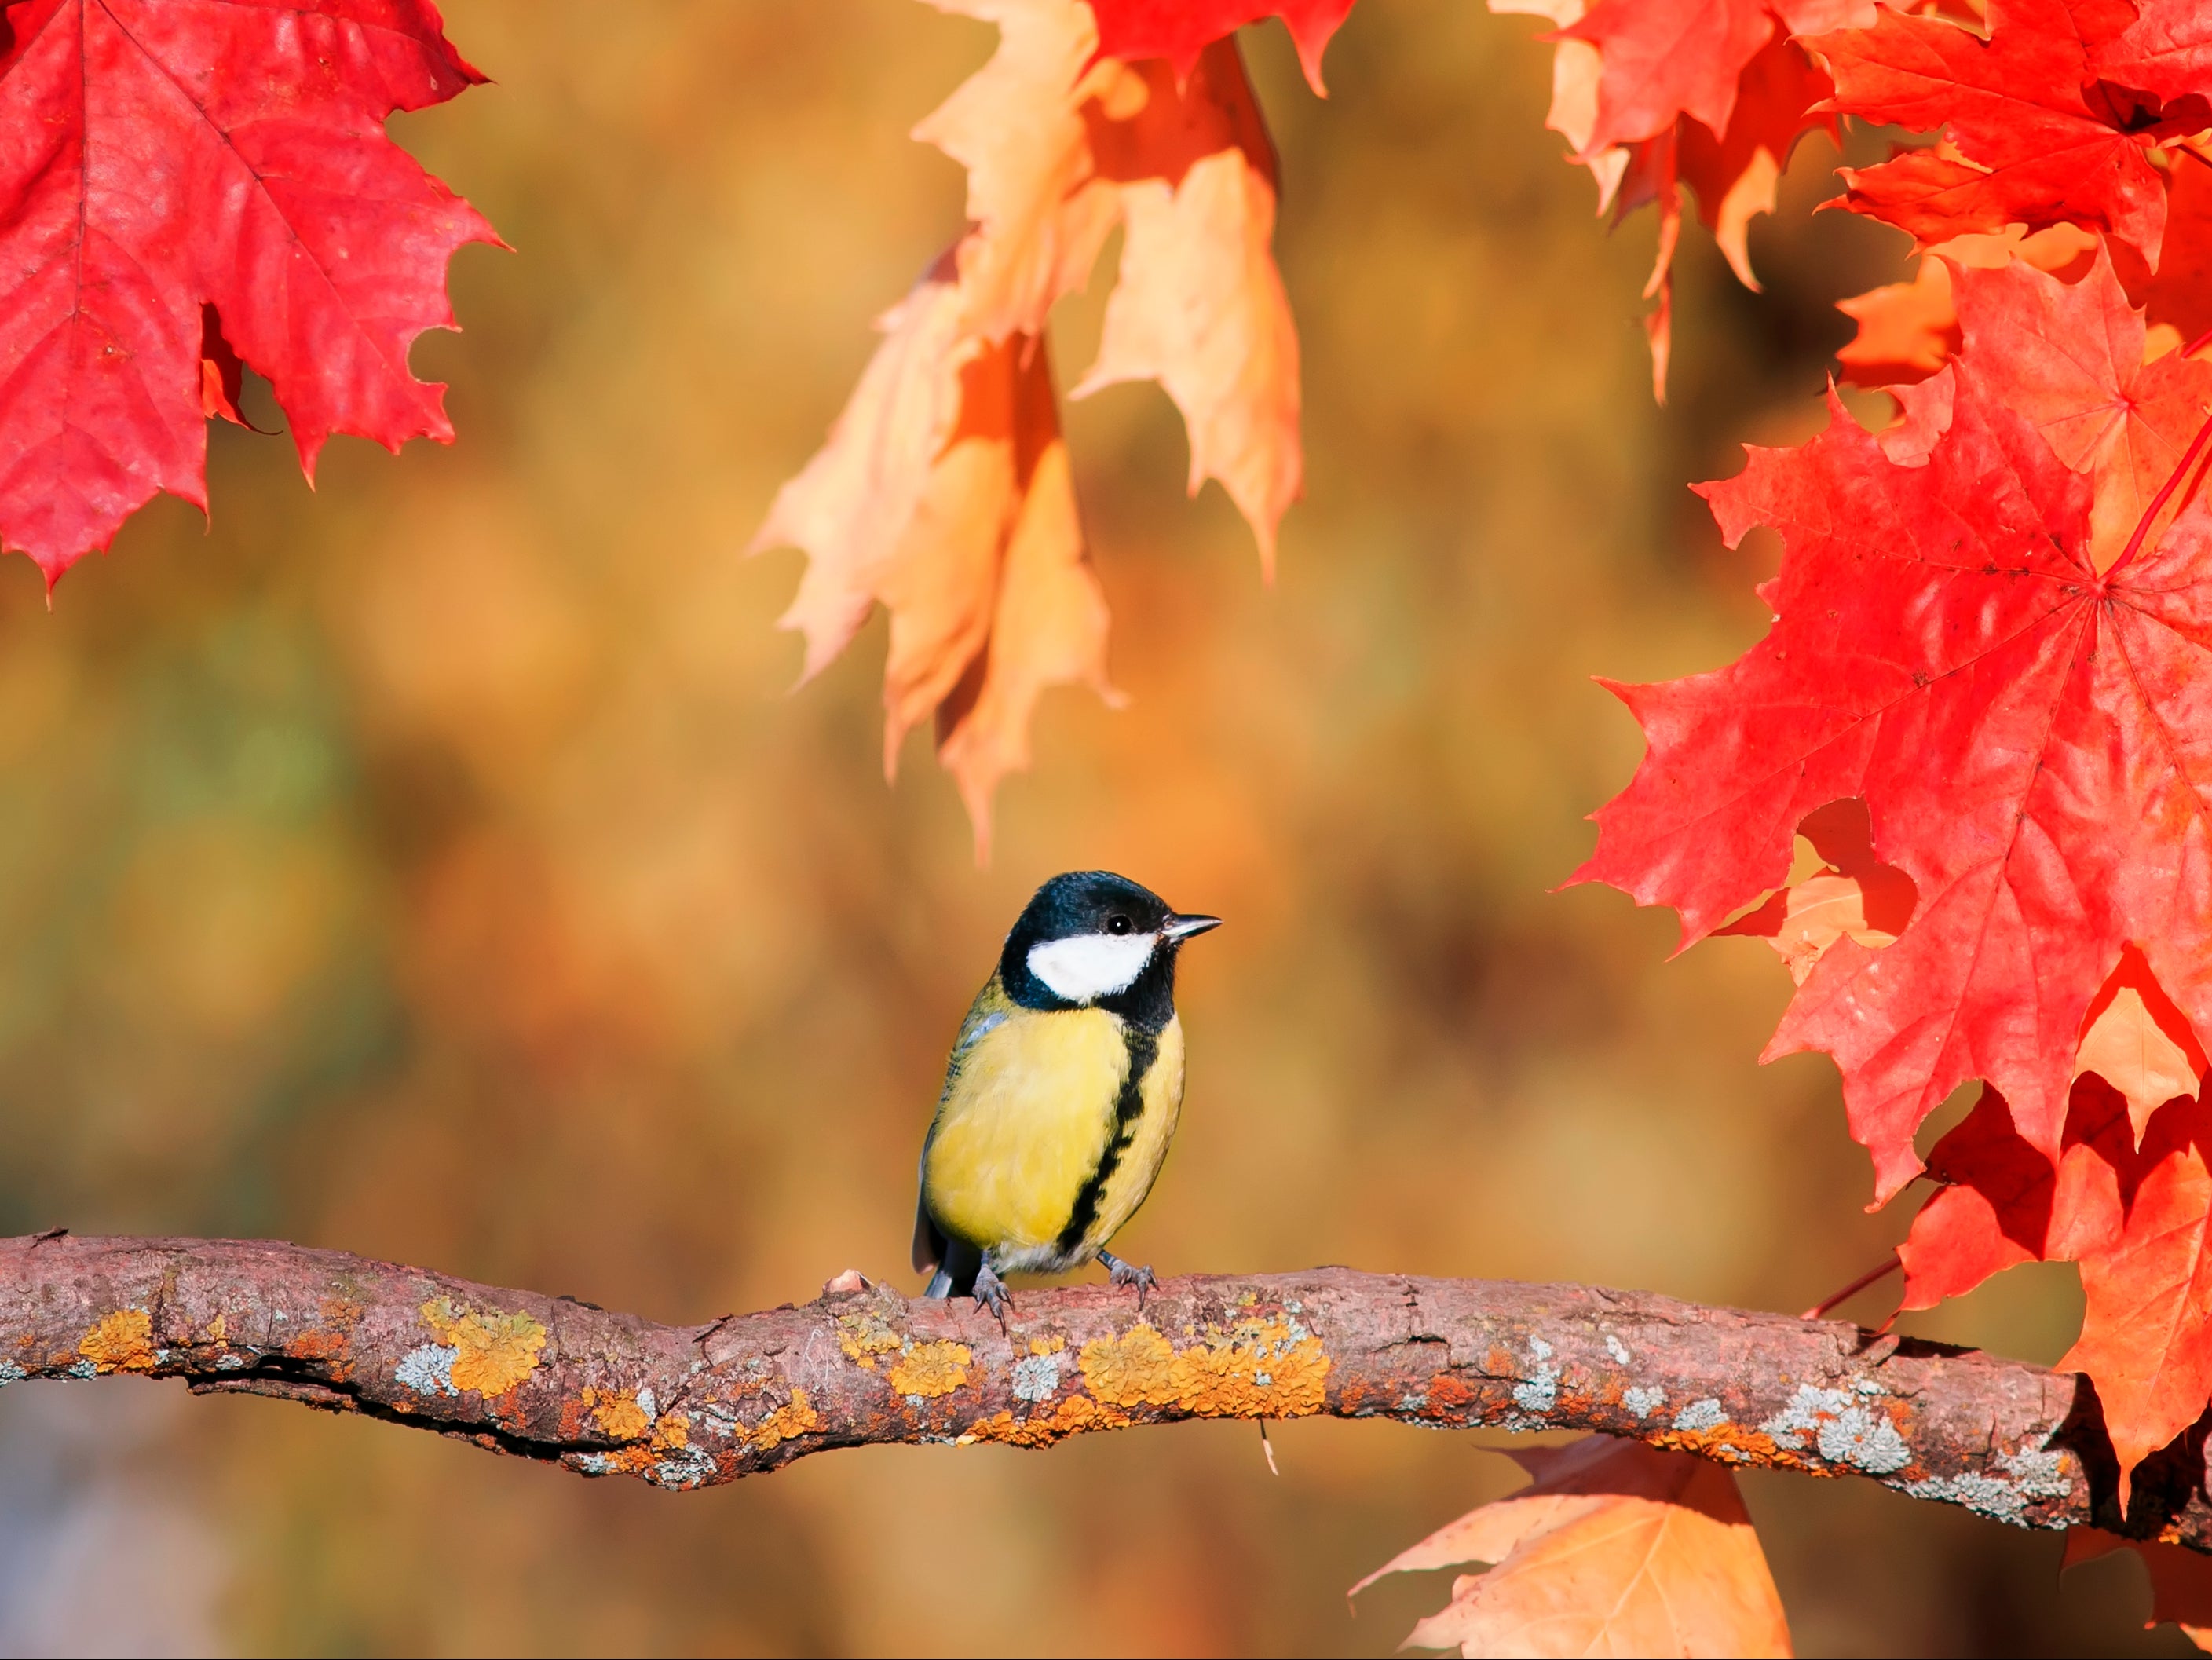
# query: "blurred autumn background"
x,y
434,867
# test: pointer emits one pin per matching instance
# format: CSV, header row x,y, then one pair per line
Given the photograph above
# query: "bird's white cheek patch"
x,y
1091,965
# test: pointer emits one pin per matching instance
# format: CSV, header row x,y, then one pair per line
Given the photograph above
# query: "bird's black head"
x,y
1092,939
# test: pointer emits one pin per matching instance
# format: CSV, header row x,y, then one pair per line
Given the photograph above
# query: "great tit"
x,y
1061,1093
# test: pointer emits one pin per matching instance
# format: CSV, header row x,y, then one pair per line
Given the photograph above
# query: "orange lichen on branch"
x,y
332,1339
931,1369
494,1352
1450,1397
1270,1368
1732,1444
1133,1370
916,1368
121,1342
865,1336
795,1418
1260,1369
1073,1416
656,1444
618,1413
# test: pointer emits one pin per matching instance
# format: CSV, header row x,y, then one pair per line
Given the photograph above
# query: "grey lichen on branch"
x,y
605,1394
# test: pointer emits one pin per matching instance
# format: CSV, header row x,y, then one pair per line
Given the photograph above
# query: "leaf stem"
x,y
2165,491
1881,1270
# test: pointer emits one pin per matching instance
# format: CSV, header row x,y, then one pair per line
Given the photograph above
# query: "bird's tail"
x,y
956,1268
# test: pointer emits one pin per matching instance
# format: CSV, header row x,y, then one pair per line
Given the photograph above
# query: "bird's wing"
x,y
987,1012
928,1242
978,1025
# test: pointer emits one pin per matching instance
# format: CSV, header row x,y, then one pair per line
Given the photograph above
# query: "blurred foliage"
x,y
434,866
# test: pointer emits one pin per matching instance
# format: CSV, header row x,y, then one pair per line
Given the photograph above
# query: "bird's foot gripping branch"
x,y
606,1394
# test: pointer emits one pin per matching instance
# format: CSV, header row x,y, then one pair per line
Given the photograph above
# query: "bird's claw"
x,y
992,1294
1126,1273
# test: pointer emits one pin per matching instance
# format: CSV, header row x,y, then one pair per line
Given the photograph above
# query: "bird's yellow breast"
x,y
1143,1140
1029,1116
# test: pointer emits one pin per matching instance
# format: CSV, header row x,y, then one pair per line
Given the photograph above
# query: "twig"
x,y
1878,1272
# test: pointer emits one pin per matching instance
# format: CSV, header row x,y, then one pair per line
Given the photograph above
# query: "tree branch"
x,y
553,1378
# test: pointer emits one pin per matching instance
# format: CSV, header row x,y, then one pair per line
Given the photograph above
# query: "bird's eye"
x,y
1117,925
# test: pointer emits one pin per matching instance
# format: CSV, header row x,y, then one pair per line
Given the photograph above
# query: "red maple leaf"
x,y
2180,293
1622,67
2071,359
1178,30
2032,739
2137,1219
184,179
2040,138
2166,50
2147,1293
1665,59
1780,97
2001,1202
1907,331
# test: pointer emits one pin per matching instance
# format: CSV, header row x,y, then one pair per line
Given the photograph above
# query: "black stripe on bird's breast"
x,y
1129,1113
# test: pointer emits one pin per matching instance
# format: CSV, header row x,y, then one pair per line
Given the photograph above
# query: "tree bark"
x,y
604,1393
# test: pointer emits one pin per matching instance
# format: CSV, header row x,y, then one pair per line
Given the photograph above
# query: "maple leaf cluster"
x,y
2052,115
1654,94
2066,126
944,493
187,187
1982,703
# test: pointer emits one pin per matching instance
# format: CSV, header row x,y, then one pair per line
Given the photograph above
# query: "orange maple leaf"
x,y
1756,81
1853,897
2139,1042
1615,1548
1198,305
1909,330
2180,1578
944,493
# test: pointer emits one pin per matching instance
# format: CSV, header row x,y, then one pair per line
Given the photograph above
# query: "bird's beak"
x,y
1180,929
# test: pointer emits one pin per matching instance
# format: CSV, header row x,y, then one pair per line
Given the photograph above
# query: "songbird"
x,y
1061,1094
